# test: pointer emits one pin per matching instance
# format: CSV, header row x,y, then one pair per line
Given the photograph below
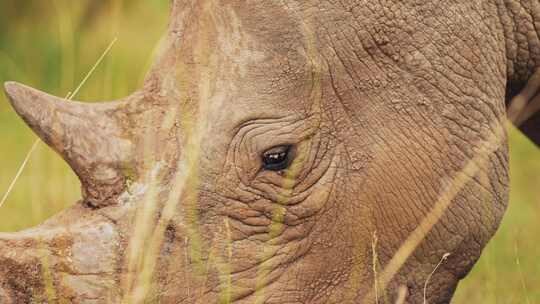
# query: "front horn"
x,y
93,138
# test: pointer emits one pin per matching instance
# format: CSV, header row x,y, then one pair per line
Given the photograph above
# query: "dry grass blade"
x,y
375,262
521,108
19,172
444,257
94,67
402,295
522,278
69,96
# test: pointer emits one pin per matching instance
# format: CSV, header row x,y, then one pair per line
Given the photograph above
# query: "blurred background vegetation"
x,y
52,44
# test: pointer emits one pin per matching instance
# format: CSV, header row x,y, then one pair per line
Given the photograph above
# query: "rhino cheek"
x,y
4,297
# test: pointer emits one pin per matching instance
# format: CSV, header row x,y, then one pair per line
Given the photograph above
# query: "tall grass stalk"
x,y
444,257
521,276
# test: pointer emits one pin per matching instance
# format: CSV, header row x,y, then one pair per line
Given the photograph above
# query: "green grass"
x,y
52,44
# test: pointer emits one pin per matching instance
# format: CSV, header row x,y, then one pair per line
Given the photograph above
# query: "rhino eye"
x,y
278,158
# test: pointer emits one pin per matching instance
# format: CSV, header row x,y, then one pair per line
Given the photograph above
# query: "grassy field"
x,y
52,44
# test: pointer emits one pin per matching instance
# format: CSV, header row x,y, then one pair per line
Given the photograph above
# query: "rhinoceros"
x,y
287,152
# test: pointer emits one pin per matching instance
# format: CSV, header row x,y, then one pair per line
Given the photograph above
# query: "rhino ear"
x,y
91,137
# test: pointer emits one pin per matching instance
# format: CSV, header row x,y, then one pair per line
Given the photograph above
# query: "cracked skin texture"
x,y
383,102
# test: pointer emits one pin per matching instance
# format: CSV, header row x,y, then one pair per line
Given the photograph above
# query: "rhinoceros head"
x,y
278,152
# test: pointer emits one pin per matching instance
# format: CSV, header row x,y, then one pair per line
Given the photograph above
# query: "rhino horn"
x,y
92,137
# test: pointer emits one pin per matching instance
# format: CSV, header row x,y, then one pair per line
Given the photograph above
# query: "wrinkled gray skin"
x,y
383,101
